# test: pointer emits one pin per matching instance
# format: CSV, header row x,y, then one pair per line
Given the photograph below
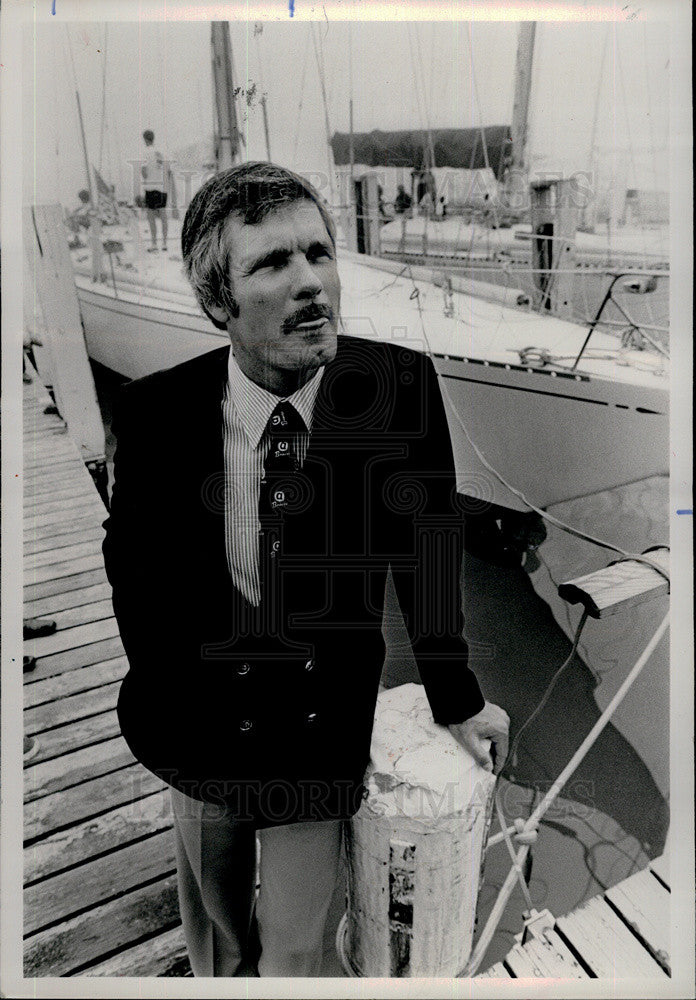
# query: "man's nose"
x,y
306,284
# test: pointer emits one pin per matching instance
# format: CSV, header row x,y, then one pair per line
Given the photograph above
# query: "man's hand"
x,y
491,723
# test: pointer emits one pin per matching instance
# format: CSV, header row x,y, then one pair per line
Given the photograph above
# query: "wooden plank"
x,y
68,567
622,585
73,659
71,638
37,455
63,516
83,615
72,805
38,436
607,946
545,956
97,836
497,971
62,896
33,502
42,473
43,479
61,540
42,488
66,584
644,904
74,681
52,714
67,600
73,768
82,733
61,554
82,940
63,473
88,500
163,955
34,462
51,267
46,534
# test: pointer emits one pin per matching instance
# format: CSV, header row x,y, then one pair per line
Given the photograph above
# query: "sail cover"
x,y
454,147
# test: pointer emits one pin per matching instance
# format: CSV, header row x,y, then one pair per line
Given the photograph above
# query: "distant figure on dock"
x,y
402,202
262,491
156,181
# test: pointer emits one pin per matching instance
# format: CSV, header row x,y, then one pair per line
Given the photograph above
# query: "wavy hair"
x,y
250,191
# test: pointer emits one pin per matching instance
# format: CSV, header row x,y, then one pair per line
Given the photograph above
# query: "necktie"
x,y
278,489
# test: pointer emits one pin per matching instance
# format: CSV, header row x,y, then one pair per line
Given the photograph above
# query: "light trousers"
x,y
216,869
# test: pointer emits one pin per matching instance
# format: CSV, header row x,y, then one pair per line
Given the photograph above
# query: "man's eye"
x,y
316,253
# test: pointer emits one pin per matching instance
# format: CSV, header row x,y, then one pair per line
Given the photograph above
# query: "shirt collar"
x,y
254,405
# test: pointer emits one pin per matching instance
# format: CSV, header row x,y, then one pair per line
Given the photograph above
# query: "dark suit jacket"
x,y
271,711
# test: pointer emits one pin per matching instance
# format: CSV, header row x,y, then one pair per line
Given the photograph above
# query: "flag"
x,y
106,202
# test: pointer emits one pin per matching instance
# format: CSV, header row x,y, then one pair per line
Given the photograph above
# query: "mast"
x,y
516,179
227,135
82,126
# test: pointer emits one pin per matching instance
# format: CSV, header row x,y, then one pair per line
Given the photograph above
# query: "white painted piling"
x,y
415,848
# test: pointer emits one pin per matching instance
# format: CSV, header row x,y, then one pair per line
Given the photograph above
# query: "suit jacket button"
x,y
245,725
311,718
309,665
243,668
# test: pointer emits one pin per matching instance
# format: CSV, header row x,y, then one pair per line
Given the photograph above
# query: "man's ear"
x,y
218,313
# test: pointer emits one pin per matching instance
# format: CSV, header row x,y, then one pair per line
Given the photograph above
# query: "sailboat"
x,y
541,410
492,229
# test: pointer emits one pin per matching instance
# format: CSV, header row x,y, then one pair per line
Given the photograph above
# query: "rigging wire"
x,y
420,91
299,105
479,109
327,125
631,150
512,753
103,104
557,522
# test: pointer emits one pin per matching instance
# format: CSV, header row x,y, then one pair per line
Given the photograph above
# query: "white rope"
x,y
532,823
511,850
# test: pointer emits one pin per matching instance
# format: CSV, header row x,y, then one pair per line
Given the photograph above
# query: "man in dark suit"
x,y
261,495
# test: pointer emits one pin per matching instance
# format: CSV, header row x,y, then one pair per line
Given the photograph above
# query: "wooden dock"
x,y
623,933
100,887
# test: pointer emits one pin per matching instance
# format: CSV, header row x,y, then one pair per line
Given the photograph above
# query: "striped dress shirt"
x,y
246,410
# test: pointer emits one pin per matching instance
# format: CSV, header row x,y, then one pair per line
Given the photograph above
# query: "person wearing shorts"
x,y
155,186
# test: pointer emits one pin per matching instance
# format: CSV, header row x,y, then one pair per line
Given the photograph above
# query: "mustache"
x,y
307,314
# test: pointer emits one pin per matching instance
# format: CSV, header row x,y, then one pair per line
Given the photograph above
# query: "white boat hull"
x,y
551,435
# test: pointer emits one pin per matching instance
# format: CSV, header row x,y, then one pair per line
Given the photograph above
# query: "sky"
x,y
594,85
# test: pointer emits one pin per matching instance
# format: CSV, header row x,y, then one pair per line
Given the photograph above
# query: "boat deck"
x,y
623,933
100,889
